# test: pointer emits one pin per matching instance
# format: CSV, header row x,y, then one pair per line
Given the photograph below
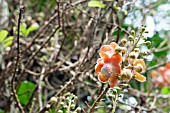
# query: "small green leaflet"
x,y
96,4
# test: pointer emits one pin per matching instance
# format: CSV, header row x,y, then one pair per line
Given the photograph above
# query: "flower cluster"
x,y
118,62
109,66
162,76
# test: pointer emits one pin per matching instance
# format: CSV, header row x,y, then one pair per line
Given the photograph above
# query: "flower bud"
x,y
118,49
72,101
133,55
126,77
65,106
60,111
124,41
114,91
137,50
53,100
67,99
138,68
143,29
72,106
132,32
126,74
75,98
62,103
123,50
147,43
110,95
67,94
145,38
78,109
48,106
144,53
131,38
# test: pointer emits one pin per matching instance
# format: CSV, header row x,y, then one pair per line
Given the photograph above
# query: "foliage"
x,y
94,3
4,43
25,91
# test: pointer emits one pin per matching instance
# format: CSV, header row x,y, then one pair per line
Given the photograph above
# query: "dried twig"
x,y
17,62
99,98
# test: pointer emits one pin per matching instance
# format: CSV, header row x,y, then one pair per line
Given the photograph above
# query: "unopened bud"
x,y
67,94
144,53
137,50
114,91
143,29
123,50
132,32
72,106
138,68
78,109
145,38
127,74
60,111
75,98
125,77
124,41
67,99
133,55
118,49
110,95
62,103
65,106
131,38
48,106
147,43
53,99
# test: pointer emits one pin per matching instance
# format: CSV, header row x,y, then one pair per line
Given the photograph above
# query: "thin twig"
x,y
17,62
156,66
99,98
63,30
40,88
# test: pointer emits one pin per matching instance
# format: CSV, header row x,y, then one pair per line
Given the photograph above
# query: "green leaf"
x,y
3,34
1,111
125,12
8,41
23,27
96,4
33,27
25,90
165,90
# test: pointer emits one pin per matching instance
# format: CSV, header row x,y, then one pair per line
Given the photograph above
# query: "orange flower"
x,y
138,66
158,79
162,76
108,66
